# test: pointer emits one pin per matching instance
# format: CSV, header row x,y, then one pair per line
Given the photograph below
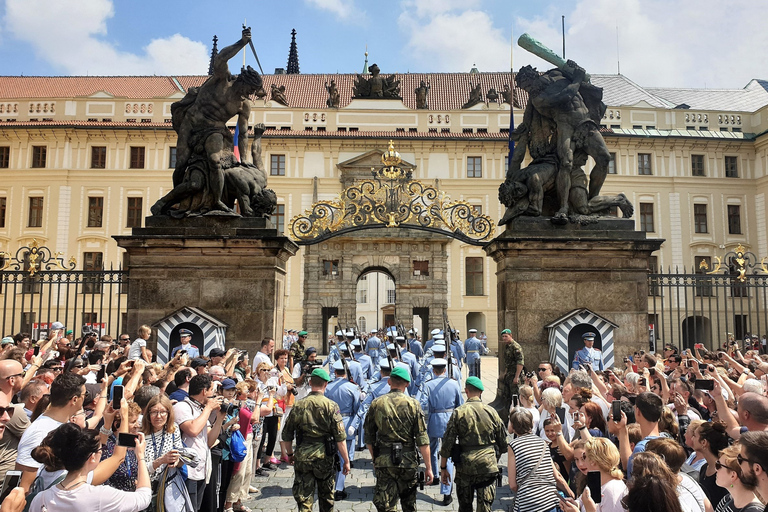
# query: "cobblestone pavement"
x,y
276,494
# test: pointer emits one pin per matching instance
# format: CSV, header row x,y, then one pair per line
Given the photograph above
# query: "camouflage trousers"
x,y
393,484
307,475
467,485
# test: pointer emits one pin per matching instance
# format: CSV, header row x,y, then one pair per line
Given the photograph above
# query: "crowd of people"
x,y
94,421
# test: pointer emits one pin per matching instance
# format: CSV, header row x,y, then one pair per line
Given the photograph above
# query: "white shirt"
x,y
32,438
135,351
691,494
90,497
260,357
184,411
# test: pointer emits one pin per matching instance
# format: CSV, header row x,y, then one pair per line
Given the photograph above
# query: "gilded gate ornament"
x,y
35,258
391,198
738,262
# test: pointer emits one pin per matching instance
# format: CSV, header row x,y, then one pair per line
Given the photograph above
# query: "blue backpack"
x,y
237,448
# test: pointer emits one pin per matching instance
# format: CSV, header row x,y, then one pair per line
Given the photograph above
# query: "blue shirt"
x,y
473,347
192,351
179,395
438,398
346,395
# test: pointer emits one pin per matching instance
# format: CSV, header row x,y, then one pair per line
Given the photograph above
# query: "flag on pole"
x,y
511,103
237,149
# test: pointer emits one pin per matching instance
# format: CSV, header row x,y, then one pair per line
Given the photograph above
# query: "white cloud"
x,y
343,9
71,35
663,43
427,8
444,40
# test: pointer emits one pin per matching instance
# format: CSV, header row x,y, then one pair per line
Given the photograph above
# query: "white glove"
x,y
351,431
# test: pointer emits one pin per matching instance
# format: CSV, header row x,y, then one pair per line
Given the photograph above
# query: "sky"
x,y
655,43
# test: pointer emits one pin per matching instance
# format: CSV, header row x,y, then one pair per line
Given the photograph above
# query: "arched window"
x,y
361,324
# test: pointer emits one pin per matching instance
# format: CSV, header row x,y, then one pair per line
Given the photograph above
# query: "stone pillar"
x,y
545,271
230,267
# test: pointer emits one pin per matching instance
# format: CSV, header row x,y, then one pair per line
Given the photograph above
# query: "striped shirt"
x,y
536,492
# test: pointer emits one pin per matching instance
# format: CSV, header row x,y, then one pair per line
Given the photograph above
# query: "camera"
x,y
229,409
529,375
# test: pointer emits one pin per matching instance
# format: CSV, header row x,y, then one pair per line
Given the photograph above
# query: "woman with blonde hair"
x,y
237,490
139,346
525,394
269,418
741,488
603,456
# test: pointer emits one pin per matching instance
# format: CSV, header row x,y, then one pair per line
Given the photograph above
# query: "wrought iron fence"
x,y
710,305
37,288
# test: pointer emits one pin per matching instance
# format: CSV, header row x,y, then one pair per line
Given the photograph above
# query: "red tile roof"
x,y
49,87
448,91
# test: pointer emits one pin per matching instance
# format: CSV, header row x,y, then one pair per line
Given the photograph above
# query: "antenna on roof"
x,y
618,60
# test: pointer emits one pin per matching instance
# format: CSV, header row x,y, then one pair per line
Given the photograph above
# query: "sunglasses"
x,y
718,466
14,375
542,369
742,460
6,410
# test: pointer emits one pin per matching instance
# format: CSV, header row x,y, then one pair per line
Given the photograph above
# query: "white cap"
x,y
339,333
391,347
438,336
338,365
400,338
350,334
438,348
438,361
415,330
473,330
373,331
435,331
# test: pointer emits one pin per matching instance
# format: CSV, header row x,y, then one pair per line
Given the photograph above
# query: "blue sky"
x,y
678,43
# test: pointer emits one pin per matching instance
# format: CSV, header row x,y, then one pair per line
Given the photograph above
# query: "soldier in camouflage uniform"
x,y
513,366
296,352
315,420
482,438
395,420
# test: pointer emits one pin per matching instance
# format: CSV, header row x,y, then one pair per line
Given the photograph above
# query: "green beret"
x,y
320,372
506,331
302,333
475,383
401,372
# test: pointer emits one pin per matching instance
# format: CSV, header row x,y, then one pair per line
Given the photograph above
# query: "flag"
x,y
237,136
511,103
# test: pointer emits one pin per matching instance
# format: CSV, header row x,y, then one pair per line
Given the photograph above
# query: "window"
x,y
135,207
330,267
362,295
420,268
3,201
644,164
91,319
612,164
734,219
38,156
646,217
278,218
702,265
35,212
697,165
137,157
474,167
700,218
277,165
362,325
474,274
98,157
92,262
95,212
5,157
653,268
740,323
731,167
391,294
172,157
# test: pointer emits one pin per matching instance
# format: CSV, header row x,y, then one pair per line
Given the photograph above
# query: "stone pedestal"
x,y
230,267
546,271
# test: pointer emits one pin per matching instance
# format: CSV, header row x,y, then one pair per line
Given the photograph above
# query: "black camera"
x,y
230,409
529,375
294,391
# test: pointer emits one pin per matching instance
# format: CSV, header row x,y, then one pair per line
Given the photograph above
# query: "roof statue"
x,y
209,174
376,87
293,56
214,53
475,97
421,95
492,95
560,130
334,98
277,94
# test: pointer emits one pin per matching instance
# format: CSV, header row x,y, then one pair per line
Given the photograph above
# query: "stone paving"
x,y
276,494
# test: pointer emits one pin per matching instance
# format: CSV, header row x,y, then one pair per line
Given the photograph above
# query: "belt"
x,y
443,410
388,449
346,415
472,351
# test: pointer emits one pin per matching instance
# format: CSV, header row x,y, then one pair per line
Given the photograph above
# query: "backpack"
x,y
37,487
237,448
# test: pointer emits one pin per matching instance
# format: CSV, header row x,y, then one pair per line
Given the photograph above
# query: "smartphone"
x,y
126,439
117,396
707,384
101,373
642,381
616,410
11,481
720,355
561,414
652,371
515,401
36,350
182,352
575,416
593,482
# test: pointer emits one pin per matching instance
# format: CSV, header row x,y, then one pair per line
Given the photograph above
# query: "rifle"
x,y
346,367
449,342
397,345
356,333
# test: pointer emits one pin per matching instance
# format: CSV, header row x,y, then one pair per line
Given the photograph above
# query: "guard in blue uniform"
x,y
588,354
355,368
457,347
347,395
373,348
413,364
333,350
364,360
473,347
414,345
438,398
431,341
438,352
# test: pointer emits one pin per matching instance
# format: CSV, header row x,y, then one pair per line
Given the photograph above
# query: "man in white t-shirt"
x,y
67,396
265,354
199,420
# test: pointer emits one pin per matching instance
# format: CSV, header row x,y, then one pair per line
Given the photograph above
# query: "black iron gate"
x,y
38,288
726,299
